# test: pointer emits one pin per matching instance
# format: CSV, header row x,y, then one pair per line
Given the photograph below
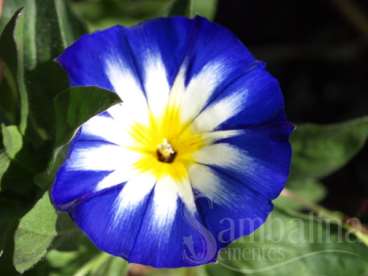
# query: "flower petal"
x,y
253,99
258,158
162,231
113,217
111,127
91,166
104,59
242,212
86,61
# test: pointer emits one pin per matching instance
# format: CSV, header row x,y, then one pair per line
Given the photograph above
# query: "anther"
x,y
165,152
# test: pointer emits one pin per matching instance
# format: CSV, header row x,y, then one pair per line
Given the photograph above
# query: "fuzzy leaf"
x,y
34,234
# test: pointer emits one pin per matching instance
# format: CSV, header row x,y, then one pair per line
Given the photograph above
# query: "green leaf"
x,y
72,108
45,28
49,27
19,73
310,190
30,43
11,54
34,234
12,140
8,49
320,150
294,245
13,104
75,106
28,46
70,26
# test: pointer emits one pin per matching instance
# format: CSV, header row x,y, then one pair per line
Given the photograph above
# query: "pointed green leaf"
x,y
70,26
320,150
76,105
34,234
9,9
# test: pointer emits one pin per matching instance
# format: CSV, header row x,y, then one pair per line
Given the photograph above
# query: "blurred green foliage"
x,y
36,239
104,13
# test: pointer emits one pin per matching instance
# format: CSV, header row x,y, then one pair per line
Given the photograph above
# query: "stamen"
x,y
165,152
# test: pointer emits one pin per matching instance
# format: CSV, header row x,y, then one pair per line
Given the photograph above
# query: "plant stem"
x,y
352,225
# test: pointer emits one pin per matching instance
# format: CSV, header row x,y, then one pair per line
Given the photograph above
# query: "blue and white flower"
x,y
193,156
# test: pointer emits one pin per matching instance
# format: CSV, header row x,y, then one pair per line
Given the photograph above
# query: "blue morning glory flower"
x,y
193,156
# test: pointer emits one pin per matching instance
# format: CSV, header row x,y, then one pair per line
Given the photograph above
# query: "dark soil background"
x,y
319,52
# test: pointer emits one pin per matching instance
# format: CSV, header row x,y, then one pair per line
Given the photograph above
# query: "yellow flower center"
x,y
167,145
